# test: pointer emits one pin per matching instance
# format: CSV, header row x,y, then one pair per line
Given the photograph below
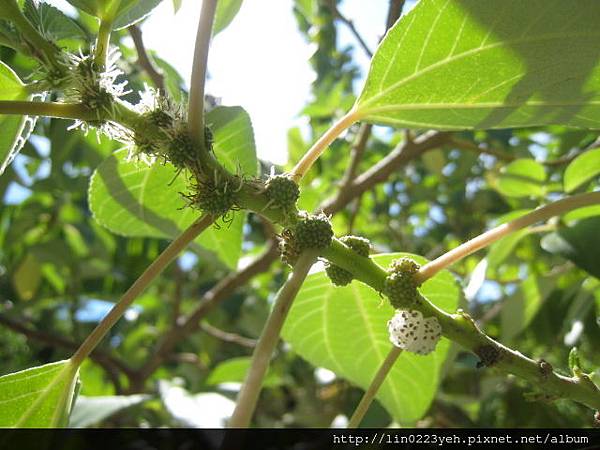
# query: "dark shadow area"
x,y
558,43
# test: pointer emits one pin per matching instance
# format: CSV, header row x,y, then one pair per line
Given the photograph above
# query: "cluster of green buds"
x,y
342,277
400,286
311,231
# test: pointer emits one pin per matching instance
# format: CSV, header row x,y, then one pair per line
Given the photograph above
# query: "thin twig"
x,y
331,4
225,336
196,100
483,240
210,300
104,359
311,156
356,154
248,396
376,383
383,169
144,60
151,272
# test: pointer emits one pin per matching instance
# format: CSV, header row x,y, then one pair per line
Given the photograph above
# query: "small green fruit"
x,y
359,244
400,286
337,275
313,232
216,200
288,248
282,191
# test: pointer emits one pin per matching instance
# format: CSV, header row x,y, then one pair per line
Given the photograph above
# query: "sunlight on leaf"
x,y
344,330
464,64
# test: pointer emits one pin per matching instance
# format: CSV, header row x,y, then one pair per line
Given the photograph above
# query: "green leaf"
x,y
574,362
130,11
225,13
27,277
519,309
51,22
39,397
93,410
522,178
578,243
582,169
500,250
472,64
13,127
133,199
344,330
177,5
234,370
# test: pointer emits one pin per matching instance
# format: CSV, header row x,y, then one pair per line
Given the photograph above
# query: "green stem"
x,y
483,240
49,109
321,145
153,270
196,100
367,399
248,396
103,38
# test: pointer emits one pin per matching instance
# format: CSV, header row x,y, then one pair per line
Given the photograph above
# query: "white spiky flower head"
x,y
411,332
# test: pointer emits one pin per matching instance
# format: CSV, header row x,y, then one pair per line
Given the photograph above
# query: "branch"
x,y
367,399
356,155
331,4
212,298
153,270
381,171
483,240
394,12
321,145
111,364
144,59
227,337
196,100
248,396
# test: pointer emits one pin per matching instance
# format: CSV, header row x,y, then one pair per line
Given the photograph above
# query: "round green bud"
x,y
313,232
337,275
359,244
282,191
180,150
213,200
400,286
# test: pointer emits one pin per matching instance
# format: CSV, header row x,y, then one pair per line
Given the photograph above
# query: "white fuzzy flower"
x,y
409,331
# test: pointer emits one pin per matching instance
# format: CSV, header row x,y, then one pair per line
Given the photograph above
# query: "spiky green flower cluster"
x,y
215,199
313,232
282,192
400,286
342,277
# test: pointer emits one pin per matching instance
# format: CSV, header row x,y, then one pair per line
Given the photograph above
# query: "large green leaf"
x,y
344,329
11,127
582,169
130,11
462,64
134,199
522,178
52,22
39,397
225,13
